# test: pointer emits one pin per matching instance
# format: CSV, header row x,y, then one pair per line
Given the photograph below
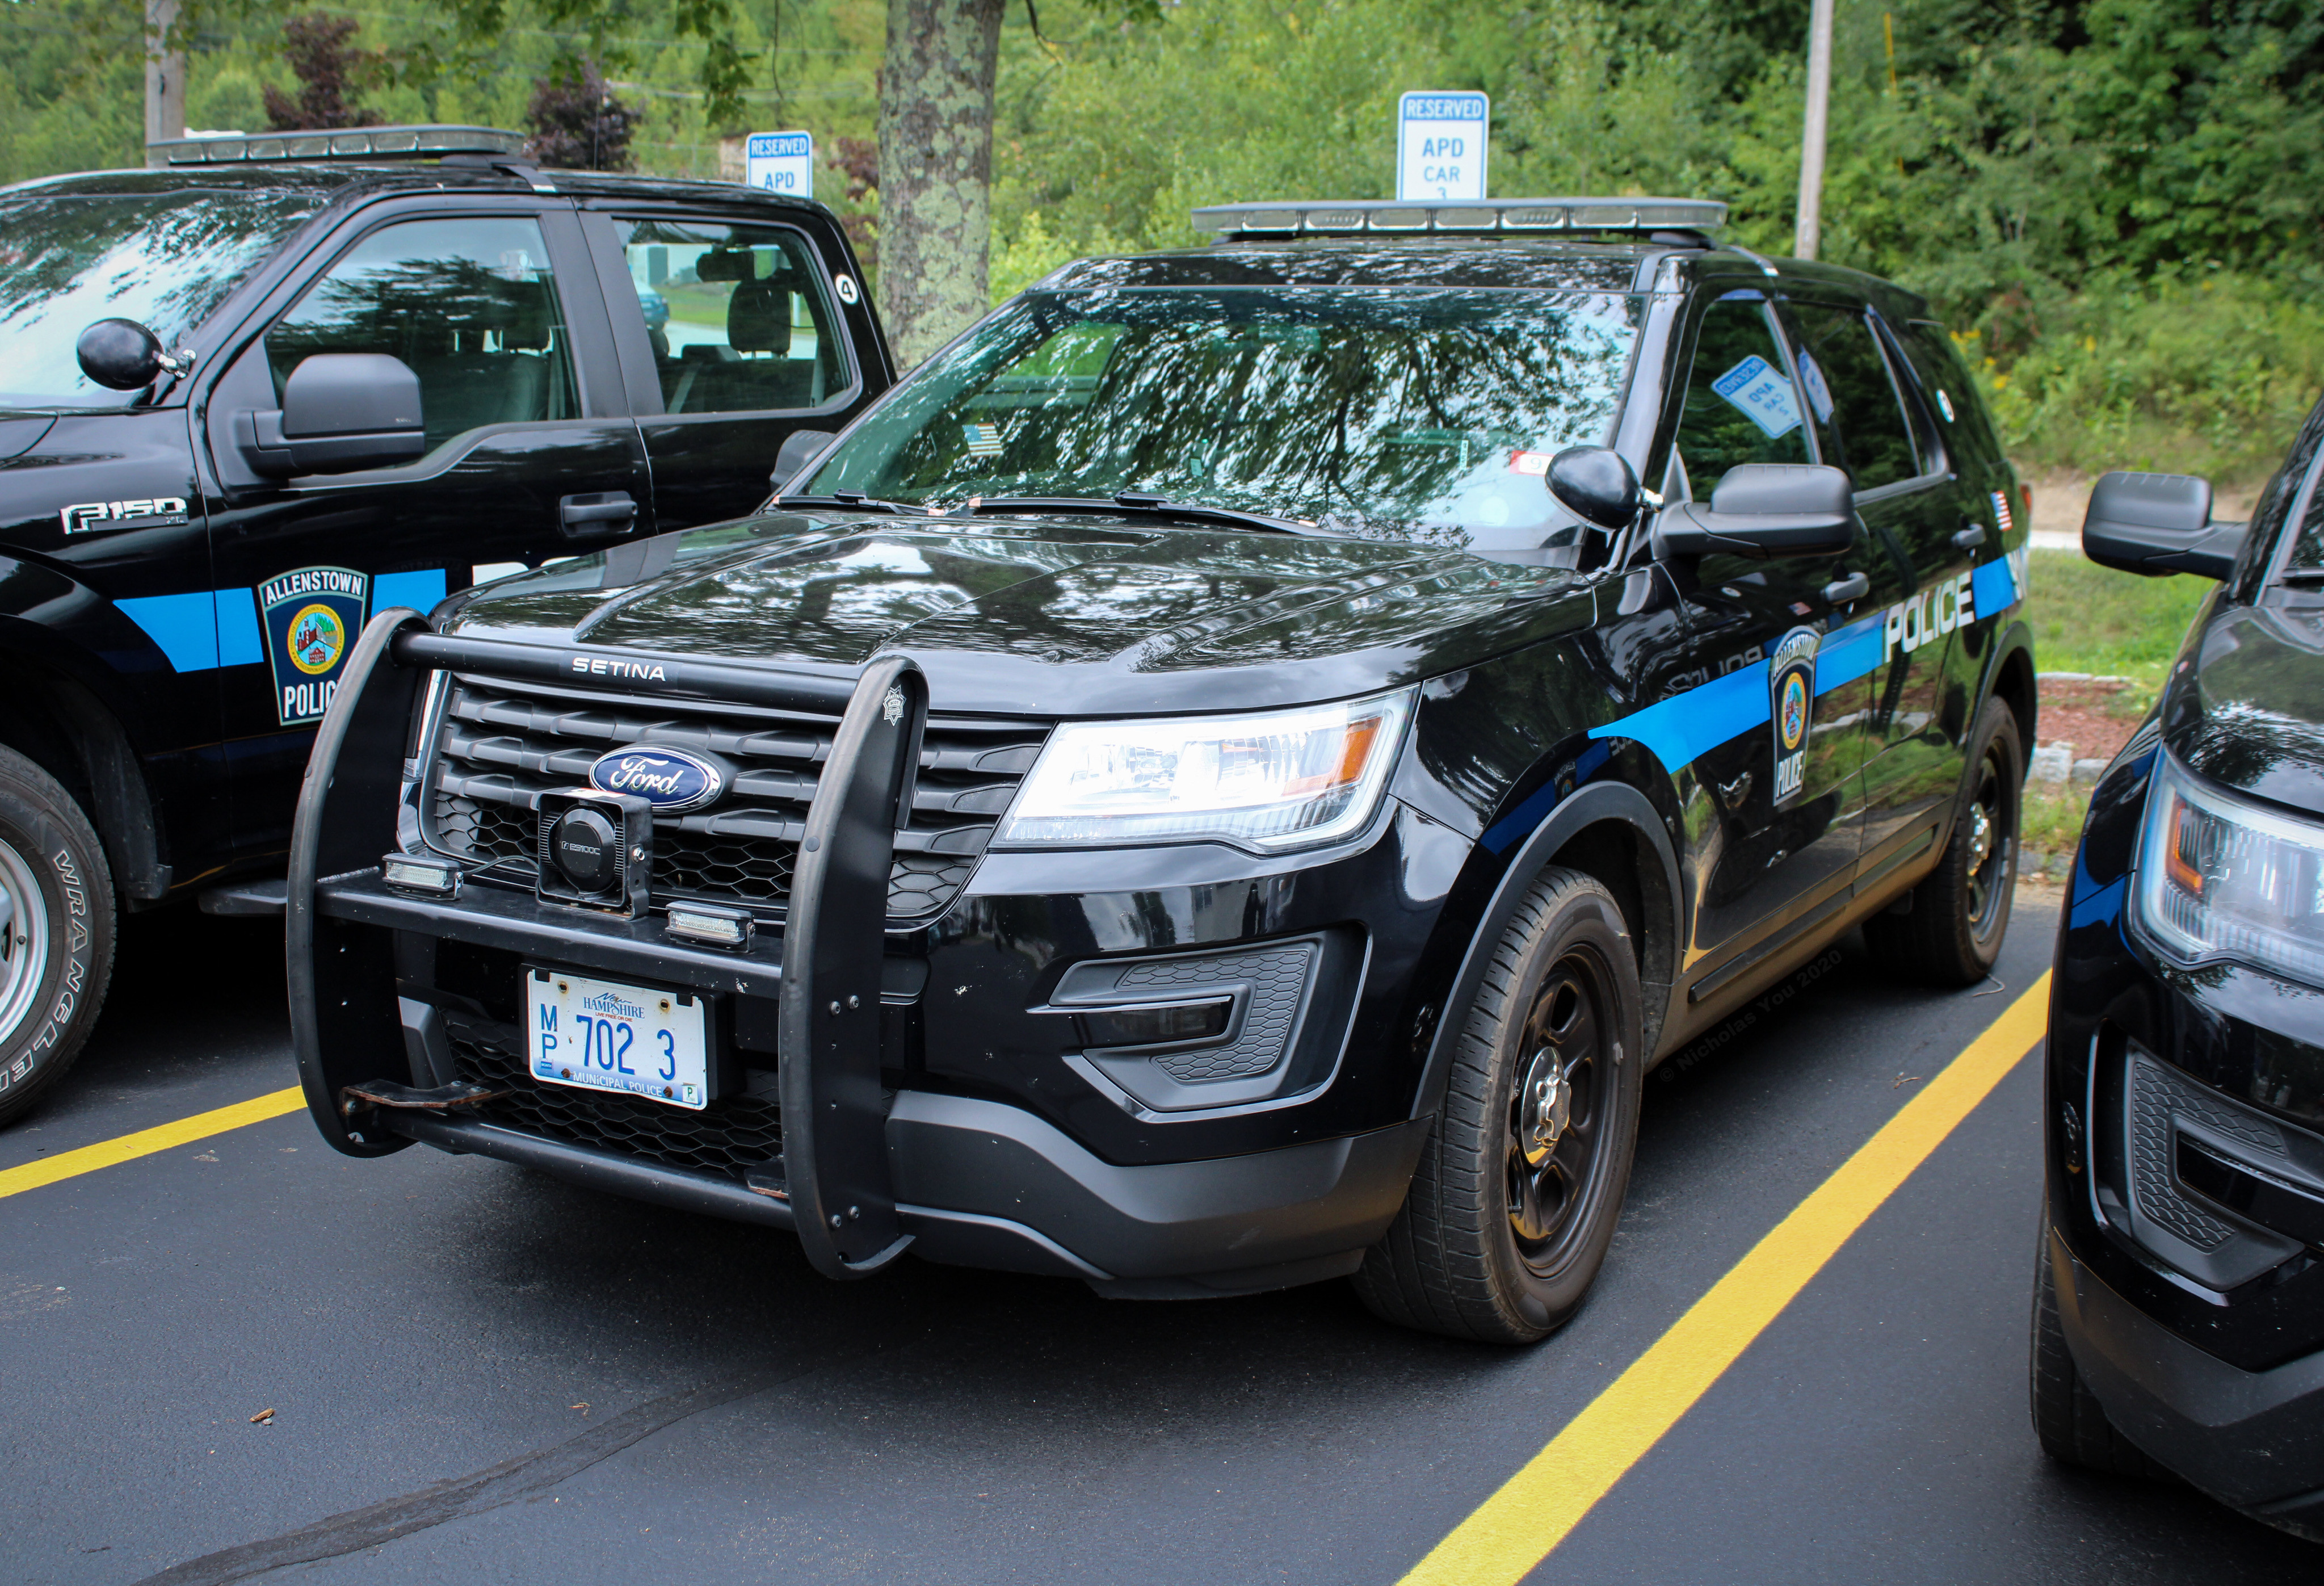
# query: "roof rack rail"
x,y
360,143
1481,217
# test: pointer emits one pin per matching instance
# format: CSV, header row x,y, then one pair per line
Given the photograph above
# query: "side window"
x,y
736,316
1859,410
1741,406
468,304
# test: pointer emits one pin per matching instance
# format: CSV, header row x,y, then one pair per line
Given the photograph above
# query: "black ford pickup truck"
x,y
251,398
1224,777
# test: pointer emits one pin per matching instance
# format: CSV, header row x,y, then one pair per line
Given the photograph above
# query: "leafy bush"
x,y
577,124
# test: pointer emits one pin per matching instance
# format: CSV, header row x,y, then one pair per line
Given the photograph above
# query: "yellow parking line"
x,y
128,1147
1516,1528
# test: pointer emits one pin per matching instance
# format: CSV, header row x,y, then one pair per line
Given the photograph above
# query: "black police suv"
x,y
2179,1297
250,399
1222,779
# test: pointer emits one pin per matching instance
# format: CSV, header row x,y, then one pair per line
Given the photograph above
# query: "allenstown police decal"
x,y
311,620
1791,683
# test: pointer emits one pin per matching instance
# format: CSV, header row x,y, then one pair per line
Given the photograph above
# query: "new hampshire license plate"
x,y
605,1036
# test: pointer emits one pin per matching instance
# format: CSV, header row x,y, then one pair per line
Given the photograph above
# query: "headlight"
x,y
1286,780
2219,878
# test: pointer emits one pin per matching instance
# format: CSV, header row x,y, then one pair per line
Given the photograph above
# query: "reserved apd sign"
x,y
1440,145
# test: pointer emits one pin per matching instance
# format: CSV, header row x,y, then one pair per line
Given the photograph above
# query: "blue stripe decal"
x,y
1685,725
1526,817
421,591
1850,652
1993,588
238,642
185,626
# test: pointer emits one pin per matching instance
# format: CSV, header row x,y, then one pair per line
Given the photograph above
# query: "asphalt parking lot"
x,y
477,1372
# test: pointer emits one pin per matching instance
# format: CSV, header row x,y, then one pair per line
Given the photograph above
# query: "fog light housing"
x,y
710,925
420,876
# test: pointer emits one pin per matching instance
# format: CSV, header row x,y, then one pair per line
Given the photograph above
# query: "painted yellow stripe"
x,y
128,1147
1516,1528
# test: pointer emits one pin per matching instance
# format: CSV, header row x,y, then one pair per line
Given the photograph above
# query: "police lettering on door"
x,y
311,618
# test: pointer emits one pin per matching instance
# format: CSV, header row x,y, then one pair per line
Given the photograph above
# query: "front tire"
x,y
1521,1182
55,933
1952,932
2068,1419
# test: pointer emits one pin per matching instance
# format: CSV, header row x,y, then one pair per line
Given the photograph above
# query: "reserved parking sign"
x,y
781,162
1440,145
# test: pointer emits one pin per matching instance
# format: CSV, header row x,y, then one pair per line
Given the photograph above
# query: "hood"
x,y
2244,705
1054,618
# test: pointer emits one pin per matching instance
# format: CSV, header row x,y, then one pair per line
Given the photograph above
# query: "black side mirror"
x,y
791,458
340,412
1596,485
2158,523
1765,510
120,355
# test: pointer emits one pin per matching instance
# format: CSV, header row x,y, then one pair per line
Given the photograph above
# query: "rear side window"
x,y
469,304
1741,405
1946,378
736,316
1852,392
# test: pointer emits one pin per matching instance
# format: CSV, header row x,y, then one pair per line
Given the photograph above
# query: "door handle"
x,y
1855,586
606,513
1970,538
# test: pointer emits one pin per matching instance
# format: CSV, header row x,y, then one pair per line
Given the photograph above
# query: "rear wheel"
x,y
56,932
1520,1185
1951,931
2067,1415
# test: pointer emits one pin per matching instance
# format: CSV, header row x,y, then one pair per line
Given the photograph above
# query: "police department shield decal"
x,y
1791,684
311,618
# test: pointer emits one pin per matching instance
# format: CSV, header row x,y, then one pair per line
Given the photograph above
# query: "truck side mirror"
x,y
340,412
2158,523
1596,485
1765,510
797,451
119,355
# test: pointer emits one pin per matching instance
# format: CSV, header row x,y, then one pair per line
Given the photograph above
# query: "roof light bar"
x,y
365,143
1293,218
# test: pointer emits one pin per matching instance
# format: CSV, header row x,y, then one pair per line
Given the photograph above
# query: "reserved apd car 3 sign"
x,y
311,618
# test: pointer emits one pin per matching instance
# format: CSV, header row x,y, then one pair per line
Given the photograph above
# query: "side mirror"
x,y
2158,523
1765,510
797,451
340,412
120,355
1596,485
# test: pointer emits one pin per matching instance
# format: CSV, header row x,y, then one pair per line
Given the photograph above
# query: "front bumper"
x,y
2252,1439
926,1079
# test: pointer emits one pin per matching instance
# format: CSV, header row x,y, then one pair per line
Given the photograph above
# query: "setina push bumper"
x,y
859,1165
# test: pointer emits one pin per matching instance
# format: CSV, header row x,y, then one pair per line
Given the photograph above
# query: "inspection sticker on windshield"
x,y
1529,462
984,439
1763,393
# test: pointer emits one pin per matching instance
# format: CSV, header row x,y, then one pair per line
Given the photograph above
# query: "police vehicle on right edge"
x,y
1222,779
2179,1300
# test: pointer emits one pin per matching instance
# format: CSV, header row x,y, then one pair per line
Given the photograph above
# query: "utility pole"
x,y
165,78
1811,220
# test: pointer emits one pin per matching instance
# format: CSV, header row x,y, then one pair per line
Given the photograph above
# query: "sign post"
x,y
781,162
1440,145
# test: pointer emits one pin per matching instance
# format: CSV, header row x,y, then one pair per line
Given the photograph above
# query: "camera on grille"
x,y
595,850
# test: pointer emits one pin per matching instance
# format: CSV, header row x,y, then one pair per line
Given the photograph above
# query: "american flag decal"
x,y
2001,516
984,441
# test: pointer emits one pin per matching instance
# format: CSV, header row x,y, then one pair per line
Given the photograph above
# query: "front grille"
x,y
500,743
726,1138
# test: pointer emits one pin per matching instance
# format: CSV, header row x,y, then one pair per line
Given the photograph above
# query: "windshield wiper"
x,y
853,502
1143,506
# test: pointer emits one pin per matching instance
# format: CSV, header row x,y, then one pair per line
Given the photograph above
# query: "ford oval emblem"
x,y
671,779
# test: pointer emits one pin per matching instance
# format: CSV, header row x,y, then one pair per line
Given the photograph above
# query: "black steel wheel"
x,y
1520,1183
1950,931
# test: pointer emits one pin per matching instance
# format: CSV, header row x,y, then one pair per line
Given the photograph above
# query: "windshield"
x,y
1421,415
163,259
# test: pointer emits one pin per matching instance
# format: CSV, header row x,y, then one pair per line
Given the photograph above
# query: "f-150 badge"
x,y
311,617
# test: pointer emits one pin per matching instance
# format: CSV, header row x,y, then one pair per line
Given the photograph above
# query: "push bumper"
x,y
2254,1440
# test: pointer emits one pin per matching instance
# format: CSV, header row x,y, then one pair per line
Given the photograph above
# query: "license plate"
x,y
599,1035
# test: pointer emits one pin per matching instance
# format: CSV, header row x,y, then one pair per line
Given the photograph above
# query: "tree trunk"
x,y
1807,234
165,76
936,169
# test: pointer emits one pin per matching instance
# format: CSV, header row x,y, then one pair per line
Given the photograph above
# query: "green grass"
x,y
2091,619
